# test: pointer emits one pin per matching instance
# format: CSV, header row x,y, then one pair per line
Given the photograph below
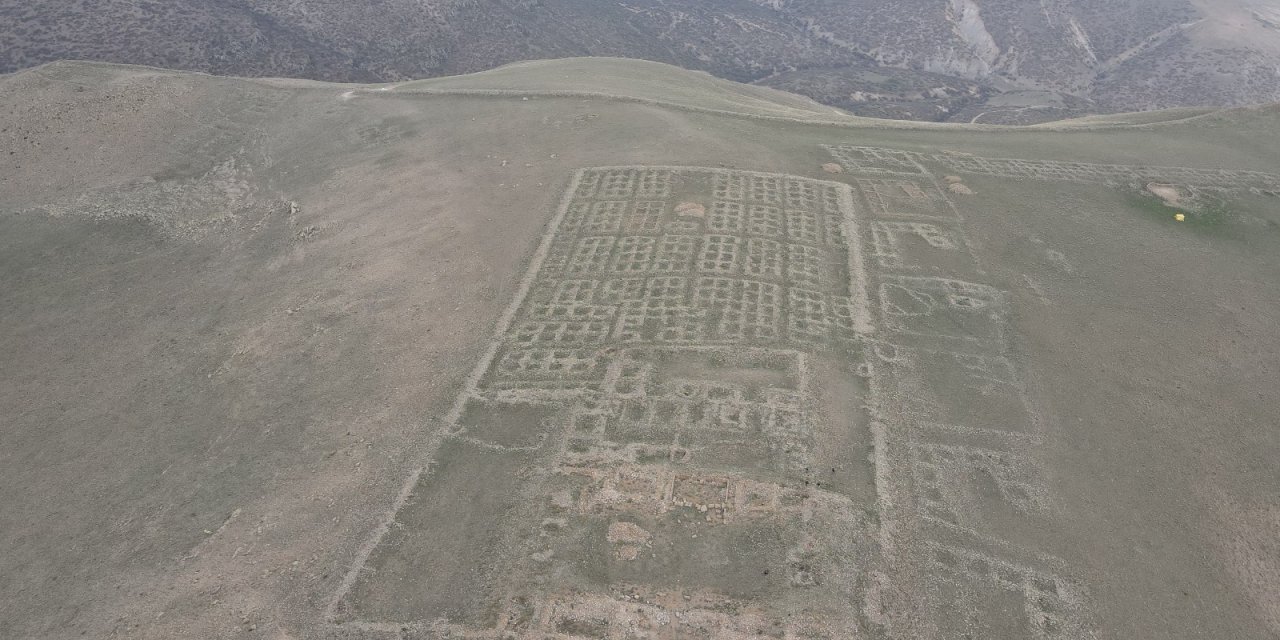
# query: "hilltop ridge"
x,y
638,81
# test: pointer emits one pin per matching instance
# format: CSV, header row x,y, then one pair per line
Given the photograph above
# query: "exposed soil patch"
x,y
692,209
1167,192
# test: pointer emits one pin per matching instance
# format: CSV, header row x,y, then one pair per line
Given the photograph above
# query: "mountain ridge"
x,y
1000,59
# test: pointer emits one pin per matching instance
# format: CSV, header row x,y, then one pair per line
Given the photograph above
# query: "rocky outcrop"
x,y
966,22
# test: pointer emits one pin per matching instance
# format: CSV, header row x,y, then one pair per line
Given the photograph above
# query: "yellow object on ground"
x,y
1180,217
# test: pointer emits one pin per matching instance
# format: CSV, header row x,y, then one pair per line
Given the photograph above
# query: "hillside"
x,y
993,61
608,349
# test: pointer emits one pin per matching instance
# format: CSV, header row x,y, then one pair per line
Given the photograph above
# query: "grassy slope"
x,y
270,377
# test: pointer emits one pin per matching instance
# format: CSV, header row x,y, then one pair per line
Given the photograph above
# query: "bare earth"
x,y
606,349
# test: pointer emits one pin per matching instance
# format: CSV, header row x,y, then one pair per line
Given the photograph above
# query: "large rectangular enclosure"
x,y
644,445
705,415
